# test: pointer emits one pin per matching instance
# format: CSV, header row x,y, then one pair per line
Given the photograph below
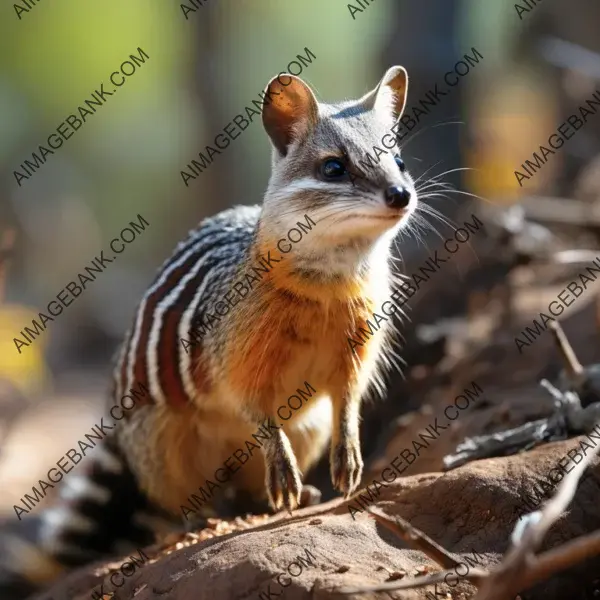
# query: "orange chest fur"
x,y
281,345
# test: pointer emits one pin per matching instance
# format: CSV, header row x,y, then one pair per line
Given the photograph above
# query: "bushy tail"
x,y
100,512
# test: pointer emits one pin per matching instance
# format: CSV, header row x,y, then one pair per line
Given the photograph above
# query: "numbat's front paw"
x,y
283,481
346,466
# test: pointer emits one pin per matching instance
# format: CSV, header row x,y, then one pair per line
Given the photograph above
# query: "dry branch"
x,y
520,569
474,575
573,366
421,541
416,538
515,572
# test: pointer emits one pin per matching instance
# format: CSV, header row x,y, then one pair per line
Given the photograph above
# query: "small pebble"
x,y
343,569
395,575
316,522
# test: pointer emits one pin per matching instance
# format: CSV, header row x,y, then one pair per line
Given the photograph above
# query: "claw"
x,y
346,466
283,480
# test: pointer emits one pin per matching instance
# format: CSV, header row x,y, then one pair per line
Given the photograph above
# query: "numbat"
x,y
256,303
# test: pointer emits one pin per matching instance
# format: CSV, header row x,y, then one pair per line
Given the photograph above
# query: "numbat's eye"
x,y
400,164
332,168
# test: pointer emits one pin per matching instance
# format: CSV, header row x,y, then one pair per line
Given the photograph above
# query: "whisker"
x,y
439,124
439,216
455,191
453,171
427,171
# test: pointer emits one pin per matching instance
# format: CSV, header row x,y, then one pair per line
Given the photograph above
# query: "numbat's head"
x,y
338,163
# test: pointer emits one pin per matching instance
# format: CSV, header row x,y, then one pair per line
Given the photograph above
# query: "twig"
x,y
515,571
475,576
561,558
520,568
573,366
415,538
553,508
425,544
551,562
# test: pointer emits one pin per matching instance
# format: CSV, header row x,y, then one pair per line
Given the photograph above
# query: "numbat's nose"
x,y
397,197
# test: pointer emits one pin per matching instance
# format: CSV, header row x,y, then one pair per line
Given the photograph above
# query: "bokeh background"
x,y
126,160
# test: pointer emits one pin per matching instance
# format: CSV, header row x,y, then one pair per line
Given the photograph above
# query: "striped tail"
x,y
100,513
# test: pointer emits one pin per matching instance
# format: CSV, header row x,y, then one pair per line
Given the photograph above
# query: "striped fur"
x,y
153,354
100,511
96,510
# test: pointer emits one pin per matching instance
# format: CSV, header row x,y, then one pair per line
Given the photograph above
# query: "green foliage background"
x,y
126,159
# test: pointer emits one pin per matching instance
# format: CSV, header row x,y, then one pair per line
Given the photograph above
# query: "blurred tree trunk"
x,y
427,57
217,184
572,82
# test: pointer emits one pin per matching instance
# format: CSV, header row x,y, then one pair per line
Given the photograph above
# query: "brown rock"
x,y
471,509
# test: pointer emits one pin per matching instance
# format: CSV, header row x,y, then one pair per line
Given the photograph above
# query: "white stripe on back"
x,y
142,308
152,351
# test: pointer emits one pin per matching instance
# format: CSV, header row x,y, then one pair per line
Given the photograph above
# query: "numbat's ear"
x,y
289,110
391,92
